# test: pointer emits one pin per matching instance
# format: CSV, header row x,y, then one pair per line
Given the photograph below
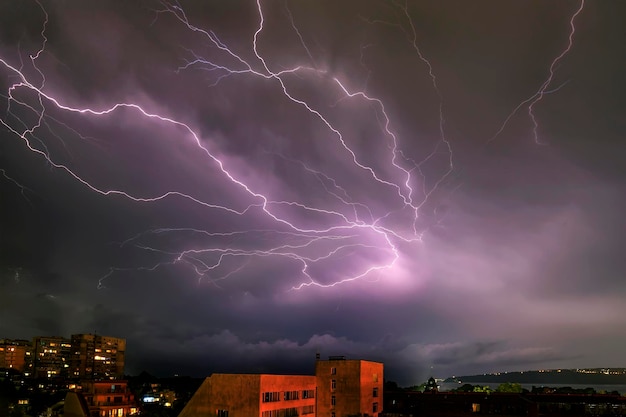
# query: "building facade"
x,y
50,357
14,353
101,399
262,395
349,387
97,357
83,356
340,388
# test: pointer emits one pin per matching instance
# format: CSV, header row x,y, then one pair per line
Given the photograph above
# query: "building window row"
x,y
291,395
113,413
269,397
283,412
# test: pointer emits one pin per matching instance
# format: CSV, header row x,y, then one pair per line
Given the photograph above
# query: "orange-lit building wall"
x,y
233,395
349,387
340,388
292,397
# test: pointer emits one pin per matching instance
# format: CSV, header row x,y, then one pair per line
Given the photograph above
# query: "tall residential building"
x,y
340,388
13,354
348,387
50,357
97,357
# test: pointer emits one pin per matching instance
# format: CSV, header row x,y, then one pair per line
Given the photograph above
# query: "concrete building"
x,y
348,387
13,354
50,358
97,357
262,395
83,356
340,388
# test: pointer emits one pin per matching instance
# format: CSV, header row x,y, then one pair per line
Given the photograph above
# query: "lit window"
x,y
375,377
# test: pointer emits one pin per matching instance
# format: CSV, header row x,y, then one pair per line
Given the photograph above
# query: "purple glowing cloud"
x,y
284,176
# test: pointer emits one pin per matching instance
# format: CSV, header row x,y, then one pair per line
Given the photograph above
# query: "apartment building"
x,y
83,356
50,357
97,357
100,399
13,354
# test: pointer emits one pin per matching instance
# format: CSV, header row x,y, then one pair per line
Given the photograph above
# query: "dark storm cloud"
x,y
520,259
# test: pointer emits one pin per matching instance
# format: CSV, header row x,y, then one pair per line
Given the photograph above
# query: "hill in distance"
x,y
594,376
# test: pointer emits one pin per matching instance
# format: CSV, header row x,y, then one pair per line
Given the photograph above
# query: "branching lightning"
x,y
23,189
347,225
534,99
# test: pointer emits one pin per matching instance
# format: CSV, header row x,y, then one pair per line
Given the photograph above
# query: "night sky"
x,y
234,186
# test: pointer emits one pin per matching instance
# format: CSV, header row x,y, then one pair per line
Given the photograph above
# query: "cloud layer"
x,y
336,178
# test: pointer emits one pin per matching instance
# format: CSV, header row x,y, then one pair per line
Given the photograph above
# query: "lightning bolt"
x,y
346,224
23,188
536,97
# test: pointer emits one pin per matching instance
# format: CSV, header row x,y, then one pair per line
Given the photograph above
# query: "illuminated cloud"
x,y
365,178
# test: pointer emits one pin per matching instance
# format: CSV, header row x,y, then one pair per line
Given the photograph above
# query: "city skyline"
x,y
237,187
81,356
